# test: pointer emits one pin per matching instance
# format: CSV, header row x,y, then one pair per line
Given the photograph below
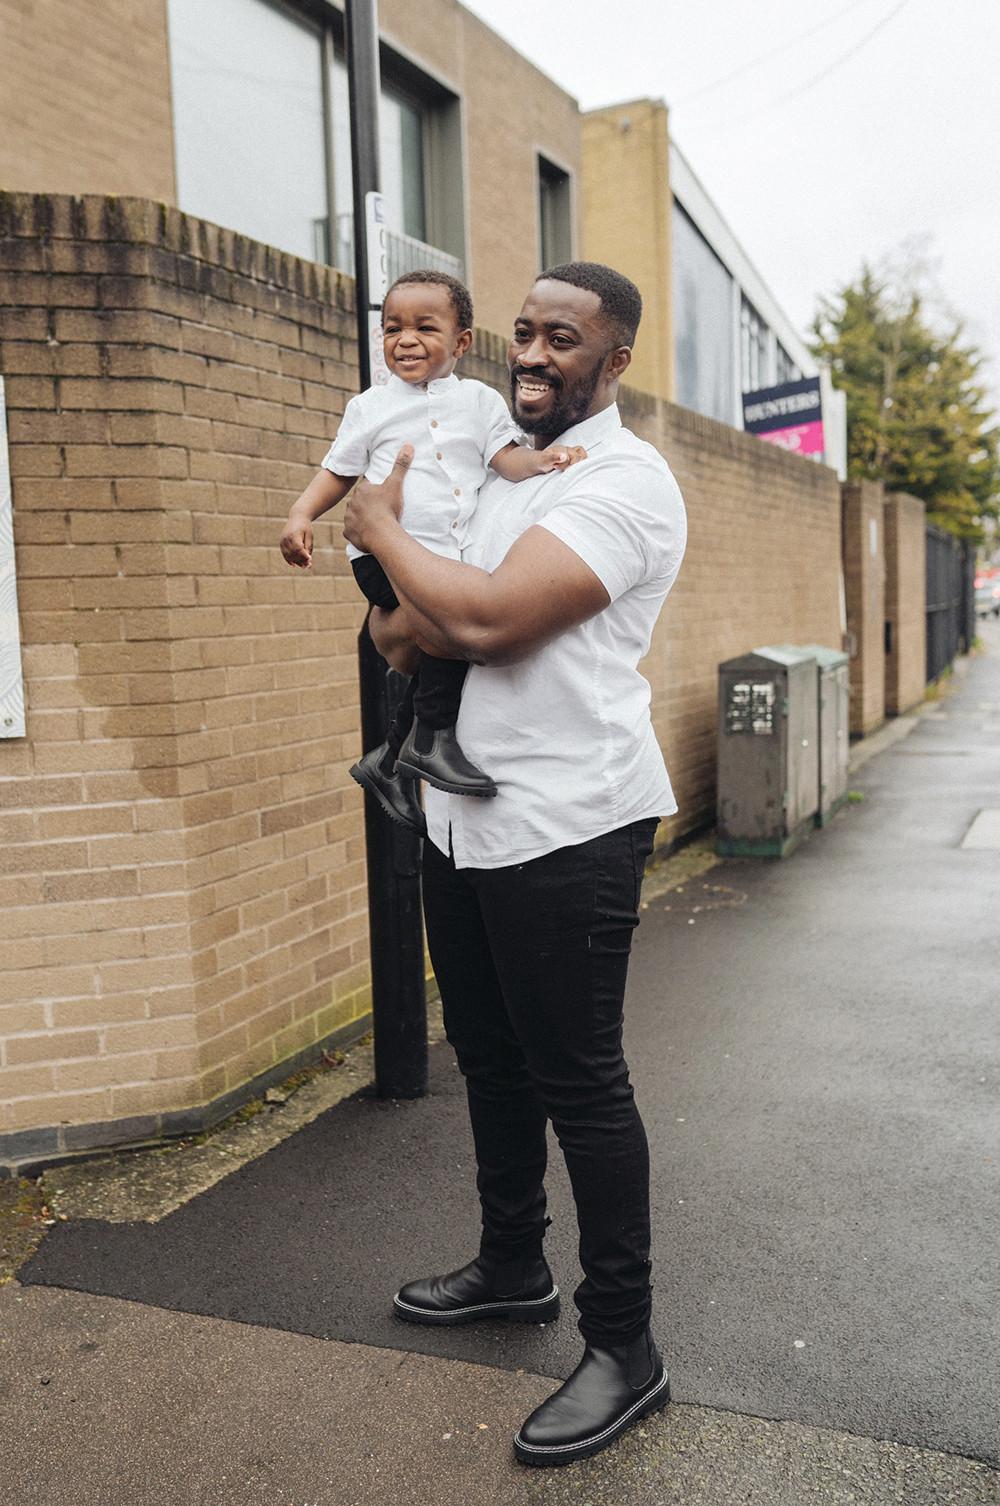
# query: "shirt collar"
x,y
592,430
433,389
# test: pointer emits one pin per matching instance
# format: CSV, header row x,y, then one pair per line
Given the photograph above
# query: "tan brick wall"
x,y
626,222
181,865
181,847
864,585
905,602
85,97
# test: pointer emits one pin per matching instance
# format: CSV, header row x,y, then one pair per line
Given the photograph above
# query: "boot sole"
x,y
537,1310
443,784
360,777
565,1453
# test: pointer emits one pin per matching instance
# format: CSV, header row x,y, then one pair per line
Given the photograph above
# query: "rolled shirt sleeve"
x,y
498,428
626,538
350,452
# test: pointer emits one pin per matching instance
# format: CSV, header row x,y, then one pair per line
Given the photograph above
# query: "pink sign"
x,y
802,439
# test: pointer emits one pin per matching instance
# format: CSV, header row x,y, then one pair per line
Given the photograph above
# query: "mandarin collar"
x,y
592,430
432,389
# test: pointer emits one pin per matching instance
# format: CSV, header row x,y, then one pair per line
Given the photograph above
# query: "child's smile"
x,y
421,337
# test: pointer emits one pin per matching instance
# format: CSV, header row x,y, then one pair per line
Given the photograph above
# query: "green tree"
x,y
917,412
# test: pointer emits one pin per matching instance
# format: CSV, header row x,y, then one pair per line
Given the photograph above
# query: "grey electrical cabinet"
x,y
768,792
834,728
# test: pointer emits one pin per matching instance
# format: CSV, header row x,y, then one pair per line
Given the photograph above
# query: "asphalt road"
x,y
815,1049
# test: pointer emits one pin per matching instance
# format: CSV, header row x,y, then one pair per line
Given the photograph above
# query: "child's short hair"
x,y
458,293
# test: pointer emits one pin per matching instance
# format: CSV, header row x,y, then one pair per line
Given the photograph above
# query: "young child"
x,y
457,430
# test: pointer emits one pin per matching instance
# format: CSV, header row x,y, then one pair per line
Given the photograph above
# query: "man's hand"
x,y
296,543
370,506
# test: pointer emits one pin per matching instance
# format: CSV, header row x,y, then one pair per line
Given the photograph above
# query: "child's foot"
x,y
396,792
433,754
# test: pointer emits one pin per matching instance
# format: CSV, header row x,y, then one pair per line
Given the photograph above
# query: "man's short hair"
x,y
621,301
458,293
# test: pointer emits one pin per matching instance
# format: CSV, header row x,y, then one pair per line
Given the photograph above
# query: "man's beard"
x,y
570,407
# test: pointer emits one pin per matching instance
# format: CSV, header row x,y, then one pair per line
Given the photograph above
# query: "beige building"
x,y
626,222
236,111
712,329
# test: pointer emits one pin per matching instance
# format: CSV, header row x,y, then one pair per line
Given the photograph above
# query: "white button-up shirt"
x,y
566,732
455,428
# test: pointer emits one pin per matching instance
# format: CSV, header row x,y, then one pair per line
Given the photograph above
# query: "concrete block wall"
x,y
905,602
864,584
181,848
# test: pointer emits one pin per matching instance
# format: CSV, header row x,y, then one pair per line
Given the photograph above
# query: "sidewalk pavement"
x,y
815,1050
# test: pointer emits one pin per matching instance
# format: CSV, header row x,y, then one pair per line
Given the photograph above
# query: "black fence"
x,y
951,599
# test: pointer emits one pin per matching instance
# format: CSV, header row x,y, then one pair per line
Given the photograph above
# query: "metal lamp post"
x,y
399,1009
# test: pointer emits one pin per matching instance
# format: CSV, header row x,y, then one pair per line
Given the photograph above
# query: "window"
x,y
248,119
703,323
554,215
785,369
262,134
753,348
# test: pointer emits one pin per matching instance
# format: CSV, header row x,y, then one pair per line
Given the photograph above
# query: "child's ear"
x,y
462,343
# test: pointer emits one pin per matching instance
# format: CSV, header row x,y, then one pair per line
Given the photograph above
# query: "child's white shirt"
x,y
455,427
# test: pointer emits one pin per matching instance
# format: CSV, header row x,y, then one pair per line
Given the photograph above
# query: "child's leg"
x,y
375,584
432,751
376,770
439,690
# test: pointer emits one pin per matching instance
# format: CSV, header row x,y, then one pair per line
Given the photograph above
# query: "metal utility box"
x,y
768,766
834,728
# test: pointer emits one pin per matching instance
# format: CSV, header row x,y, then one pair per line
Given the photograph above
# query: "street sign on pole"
x,y
399,1007
378,283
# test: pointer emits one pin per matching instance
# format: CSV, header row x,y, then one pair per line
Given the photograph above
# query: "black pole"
x,y
399,1008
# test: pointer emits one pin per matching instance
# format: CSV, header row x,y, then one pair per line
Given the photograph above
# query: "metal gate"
x,y
950,599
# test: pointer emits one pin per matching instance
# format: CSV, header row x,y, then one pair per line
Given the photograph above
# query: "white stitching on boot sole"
x,y
563,1448
477,1307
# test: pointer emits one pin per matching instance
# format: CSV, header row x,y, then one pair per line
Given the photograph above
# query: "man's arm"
x,y
540,589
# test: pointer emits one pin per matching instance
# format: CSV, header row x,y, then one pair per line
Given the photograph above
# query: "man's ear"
x,y
618,362
462,343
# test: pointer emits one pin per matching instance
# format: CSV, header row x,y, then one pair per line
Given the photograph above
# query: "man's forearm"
x,y
451,605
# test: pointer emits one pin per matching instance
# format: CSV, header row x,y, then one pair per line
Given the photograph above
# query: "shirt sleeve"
x,y
351,450
625,521
497,428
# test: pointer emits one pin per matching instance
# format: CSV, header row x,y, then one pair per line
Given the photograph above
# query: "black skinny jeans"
x,y
434,694
531,961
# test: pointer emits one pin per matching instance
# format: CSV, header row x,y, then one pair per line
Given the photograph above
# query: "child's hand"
x,y
559,457
296,543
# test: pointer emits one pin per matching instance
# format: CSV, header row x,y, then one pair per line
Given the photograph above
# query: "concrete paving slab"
x,y
108,1403
984,831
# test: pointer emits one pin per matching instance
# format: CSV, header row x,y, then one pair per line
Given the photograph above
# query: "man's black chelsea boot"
x,y
613,1387
522,1291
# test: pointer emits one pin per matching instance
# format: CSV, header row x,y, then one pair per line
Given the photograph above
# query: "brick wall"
x,y
181,868
181,853
864,584
905,602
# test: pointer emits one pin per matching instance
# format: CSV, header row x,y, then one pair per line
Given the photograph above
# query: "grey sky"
x,y
879,126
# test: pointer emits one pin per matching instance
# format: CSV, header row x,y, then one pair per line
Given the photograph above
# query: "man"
x,y
531,898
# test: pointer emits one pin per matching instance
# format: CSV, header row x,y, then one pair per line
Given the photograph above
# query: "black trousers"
x,y
531,961
435,691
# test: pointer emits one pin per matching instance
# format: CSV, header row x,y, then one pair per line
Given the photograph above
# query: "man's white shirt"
x,y
455,428
566,733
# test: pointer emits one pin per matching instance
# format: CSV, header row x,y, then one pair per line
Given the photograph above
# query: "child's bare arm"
x,y
324,491
515,463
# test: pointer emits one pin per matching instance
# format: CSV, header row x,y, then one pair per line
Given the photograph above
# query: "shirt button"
x,y
458,491
434,423
454,525
439,456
